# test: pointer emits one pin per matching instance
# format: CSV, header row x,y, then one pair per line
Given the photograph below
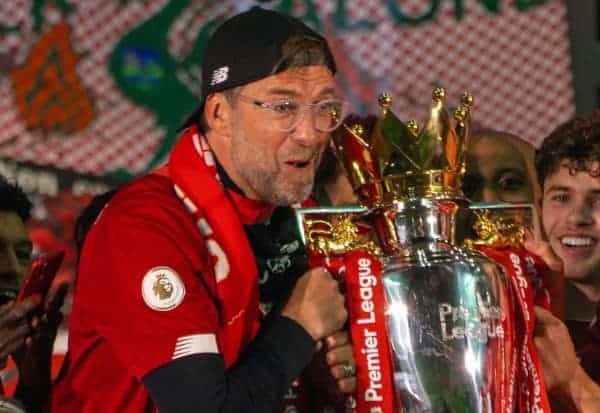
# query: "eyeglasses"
x,y
284,115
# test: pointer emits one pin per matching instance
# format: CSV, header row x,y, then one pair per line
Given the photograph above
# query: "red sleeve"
x,y
140,277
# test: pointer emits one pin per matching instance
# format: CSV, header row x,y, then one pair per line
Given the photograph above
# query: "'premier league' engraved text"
x,y
480,323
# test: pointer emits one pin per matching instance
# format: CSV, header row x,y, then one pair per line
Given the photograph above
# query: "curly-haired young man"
x,y
568,167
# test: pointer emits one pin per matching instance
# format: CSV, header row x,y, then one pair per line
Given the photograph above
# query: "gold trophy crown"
x,y
389,162
387,159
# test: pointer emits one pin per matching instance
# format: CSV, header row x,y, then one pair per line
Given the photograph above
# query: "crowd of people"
x,y
562,178
193,290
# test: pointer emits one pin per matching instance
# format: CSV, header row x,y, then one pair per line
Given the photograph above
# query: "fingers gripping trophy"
x,y
437,325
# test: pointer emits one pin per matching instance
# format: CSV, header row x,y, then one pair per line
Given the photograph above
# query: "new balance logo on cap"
x,y
219,75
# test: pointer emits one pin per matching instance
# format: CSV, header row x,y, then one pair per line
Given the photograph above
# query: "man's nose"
x,y
489,194
305,132
580,213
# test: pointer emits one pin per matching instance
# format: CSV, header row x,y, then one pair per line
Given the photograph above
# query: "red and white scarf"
x,y
220,215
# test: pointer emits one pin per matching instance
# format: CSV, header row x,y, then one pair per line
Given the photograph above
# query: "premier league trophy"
x,y
432,318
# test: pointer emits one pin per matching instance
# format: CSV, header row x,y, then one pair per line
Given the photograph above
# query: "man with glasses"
x,y
205,225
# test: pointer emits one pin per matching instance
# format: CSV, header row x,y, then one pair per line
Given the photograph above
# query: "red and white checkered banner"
x,y
100,86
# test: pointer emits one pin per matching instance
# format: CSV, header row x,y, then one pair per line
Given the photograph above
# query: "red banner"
x,y
366,305
523,277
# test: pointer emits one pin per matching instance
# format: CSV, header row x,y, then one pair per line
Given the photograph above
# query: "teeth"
x,y
577,241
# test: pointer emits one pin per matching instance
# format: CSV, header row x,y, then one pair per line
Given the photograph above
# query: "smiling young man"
x,y
568,167
28,342
166,306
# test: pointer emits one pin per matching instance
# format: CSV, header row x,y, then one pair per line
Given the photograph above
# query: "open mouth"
x,y
298,164
578,241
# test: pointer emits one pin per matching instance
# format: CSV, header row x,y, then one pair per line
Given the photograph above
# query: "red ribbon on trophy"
x,y
366,313
360,273
525,276
365,301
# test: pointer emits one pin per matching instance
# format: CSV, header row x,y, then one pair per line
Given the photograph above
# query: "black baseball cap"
x,y
246,48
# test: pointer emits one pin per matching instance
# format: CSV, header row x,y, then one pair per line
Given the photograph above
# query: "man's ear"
x,y
218,114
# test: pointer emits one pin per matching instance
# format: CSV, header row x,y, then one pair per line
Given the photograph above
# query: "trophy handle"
x,y
334,231
501,224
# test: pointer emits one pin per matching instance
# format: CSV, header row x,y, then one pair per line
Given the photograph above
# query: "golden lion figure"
x,y
498,230
337,236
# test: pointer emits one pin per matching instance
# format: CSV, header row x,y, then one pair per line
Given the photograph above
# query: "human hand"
x,y
14,324
34,358
555,350
317,304
543,250
555,279
565,378
340,359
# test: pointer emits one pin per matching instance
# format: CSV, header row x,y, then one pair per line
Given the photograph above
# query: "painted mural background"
x,y
100,87
92,91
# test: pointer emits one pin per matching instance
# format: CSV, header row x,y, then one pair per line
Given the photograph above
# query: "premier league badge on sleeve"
x,y
162,289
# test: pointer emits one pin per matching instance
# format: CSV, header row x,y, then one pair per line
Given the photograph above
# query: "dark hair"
x,y
576,142
88,216
296,51
301,51
14,199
